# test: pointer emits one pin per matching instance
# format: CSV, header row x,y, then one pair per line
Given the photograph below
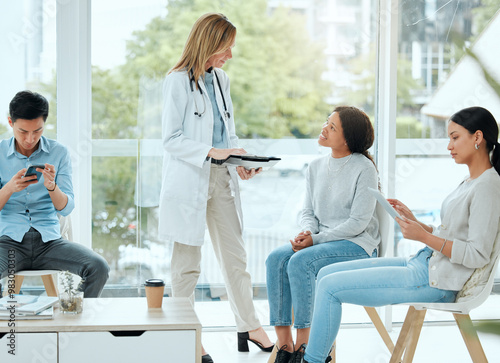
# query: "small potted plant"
x,y
71,299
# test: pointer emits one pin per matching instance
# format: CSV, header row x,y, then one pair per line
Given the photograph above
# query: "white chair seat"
x,y
464,307
478,292
48,278
36,272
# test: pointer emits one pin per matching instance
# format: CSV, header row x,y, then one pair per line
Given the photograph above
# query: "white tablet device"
x,y
387,206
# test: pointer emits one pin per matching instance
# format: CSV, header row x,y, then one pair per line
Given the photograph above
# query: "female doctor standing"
x,y
198,132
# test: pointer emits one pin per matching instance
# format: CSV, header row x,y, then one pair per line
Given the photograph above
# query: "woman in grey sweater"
x,y
338,224
462,243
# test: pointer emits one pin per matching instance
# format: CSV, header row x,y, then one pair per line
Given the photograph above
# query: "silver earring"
x,y
476,146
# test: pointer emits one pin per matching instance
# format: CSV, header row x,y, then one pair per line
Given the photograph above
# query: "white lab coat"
x,y
187,139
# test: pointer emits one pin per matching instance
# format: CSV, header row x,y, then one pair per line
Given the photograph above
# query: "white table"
x,y
120,330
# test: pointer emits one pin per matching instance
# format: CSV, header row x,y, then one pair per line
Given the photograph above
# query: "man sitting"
x,y
30,236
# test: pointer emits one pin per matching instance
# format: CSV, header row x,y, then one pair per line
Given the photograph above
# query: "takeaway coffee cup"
x,y
154,292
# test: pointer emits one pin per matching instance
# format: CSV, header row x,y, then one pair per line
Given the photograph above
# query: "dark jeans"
x,y
33,254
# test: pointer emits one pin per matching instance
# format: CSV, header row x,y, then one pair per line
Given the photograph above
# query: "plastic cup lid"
x,y
154,282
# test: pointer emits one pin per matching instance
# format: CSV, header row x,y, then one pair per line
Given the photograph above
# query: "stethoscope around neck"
x,y
197,112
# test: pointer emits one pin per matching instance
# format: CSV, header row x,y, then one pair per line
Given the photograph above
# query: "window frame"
x,y
74,97
74,114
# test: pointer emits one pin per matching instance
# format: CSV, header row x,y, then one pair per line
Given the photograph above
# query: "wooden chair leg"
x,y
18,281
272,357
403,335
332,352
48,282
379,325
50,285
416,327
470,337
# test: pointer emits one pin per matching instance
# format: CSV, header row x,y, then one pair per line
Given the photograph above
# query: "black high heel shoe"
x,y
244,338
206,359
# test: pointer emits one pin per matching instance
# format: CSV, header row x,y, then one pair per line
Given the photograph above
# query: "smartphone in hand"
x,y
32,171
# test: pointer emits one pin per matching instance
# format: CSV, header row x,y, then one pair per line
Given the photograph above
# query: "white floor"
x,y
357,342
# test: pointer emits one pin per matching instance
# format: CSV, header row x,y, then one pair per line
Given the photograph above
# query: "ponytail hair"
x,y
480,119
358,130
495,157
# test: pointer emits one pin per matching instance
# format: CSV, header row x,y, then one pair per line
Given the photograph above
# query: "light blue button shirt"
x,y
219,138
32,207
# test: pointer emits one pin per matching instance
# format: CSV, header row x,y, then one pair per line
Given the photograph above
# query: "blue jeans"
x,y
374,282
291,278
33,254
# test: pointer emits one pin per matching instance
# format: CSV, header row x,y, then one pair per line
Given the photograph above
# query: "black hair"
x,y
480,119
358,131
28,105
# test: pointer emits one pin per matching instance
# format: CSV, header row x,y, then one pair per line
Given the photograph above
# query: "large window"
x,y
293,62
436,79
28,44
28,61
290,67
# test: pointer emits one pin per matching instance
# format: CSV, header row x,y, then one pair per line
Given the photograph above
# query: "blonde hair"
x,y
211,34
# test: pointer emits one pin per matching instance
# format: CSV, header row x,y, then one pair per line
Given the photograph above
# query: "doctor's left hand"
x,y
246,174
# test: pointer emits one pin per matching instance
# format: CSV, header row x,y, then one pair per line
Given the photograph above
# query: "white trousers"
x,y
227,240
